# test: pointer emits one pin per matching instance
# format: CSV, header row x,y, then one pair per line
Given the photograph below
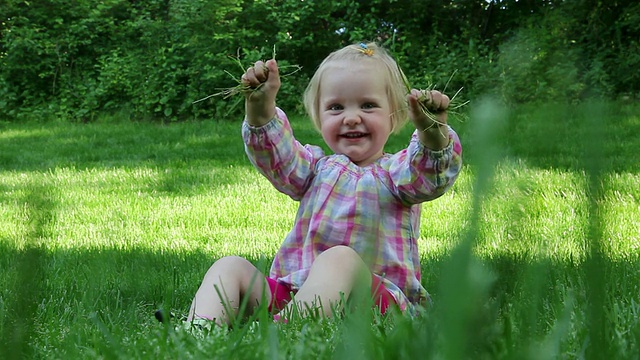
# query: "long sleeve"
x,y
418,174
274,151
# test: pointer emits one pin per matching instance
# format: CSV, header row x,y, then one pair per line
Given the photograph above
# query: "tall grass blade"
x,y
597,266
465,280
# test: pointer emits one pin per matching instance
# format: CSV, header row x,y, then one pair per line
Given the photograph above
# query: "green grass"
x,y
534,253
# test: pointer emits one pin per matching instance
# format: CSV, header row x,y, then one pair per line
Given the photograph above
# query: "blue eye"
x,y
335,107
369,105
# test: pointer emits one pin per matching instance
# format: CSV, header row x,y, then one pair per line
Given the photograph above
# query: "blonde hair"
x,y
394,78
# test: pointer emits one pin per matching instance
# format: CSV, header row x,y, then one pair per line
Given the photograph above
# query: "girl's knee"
x,y
340,252
237,268
231,261
232,264
341,258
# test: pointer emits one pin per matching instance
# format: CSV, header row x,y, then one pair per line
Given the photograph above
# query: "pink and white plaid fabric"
x,y
373,209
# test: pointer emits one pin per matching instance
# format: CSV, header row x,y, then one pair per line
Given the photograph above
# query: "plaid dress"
x,y
375,209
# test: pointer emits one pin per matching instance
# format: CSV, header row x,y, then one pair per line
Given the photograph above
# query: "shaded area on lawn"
x,y
44,146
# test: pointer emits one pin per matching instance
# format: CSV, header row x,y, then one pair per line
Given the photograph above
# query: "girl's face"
x,y
354,110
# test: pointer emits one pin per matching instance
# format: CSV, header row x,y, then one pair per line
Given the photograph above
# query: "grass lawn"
x,y
534,253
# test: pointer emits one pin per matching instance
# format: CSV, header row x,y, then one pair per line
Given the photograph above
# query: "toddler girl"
x,y
357,224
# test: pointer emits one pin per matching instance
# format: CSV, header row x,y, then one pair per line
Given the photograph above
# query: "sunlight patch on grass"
x,y
19,134
538,212
135,208
443,220
622,216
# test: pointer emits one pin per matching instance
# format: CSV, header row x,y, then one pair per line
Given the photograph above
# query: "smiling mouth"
x,y
354,135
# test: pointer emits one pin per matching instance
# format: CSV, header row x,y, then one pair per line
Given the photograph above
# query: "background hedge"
x,y
75,59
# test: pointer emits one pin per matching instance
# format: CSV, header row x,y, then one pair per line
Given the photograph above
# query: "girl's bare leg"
x,y
233,278
334,275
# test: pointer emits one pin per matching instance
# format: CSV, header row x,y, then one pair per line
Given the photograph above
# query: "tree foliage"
x,y
153,59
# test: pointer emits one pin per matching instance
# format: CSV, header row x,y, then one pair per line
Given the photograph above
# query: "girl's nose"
x,y
352,119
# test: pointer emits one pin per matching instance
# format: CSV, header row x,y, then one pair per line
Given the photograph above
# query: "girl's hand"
x,y
432,128
263,79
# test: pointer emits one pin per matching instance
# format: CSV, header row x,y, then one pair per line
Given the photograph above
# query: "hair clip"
x,y
365,49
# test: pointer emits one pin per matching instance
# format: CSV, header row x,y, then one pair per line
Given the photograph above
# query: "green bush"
x,y
154,59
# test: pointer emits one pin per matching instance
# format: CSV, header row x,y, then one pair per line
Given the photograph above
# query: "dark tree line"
x,y
154,58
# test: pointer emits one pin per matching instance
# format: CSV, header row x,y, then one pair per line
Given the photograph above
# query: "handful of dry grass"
x,y
241,88
454,102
